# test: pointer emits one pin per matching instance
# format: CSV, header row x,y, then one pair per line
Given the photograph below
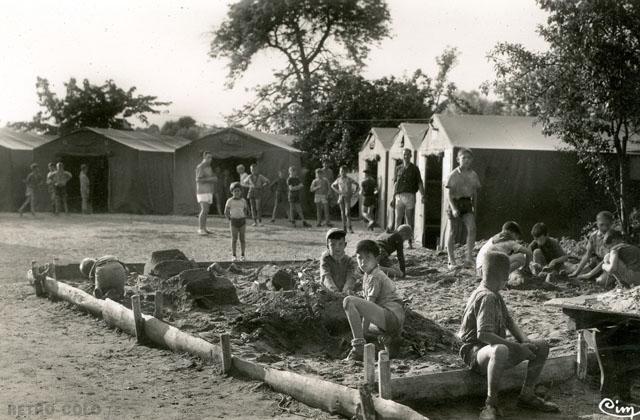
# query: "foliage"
x,y
88,105
315,37
354,105
475,103
585,88
185,127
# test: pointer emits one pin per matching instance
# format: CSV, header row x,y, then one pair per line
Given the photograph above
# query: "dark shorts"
x,y
369,201
60,192
238,223
464,204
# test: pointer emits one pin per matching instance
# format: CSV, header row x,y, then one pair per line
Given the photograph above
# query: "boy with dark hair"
x,y
380,306
485,348
548,255
108,274
337,269
369,188
345,187
295,185
320,188
506,242
390,243
31,183
596,250
623,261
280,190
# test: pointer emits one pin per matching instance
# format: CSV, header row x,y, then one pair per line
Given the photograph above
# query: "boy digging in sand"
x,y
390,243
507,242
596,250
548,256
485,348
623,261
380,306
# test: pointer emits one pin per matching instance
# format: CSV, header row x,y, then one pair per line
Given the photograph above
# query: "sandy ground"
x,y
74,365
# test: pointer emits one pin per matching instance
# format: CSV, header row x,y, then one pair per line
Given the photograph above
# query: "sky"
x,y
161,47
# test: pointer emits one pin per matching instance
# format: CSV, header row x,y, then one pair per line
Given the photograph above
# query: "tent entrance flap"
x,y
98,180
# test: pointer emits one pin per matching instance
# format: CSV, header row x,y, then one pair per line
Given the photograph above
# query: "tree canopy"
x,y
585,88
185,127
88,105
315,38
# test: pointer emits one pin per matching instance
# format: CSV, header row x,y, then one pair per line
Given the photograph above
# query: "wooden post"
x,y
157,310
583,352
370,364
384,375
367,409
52,269
225,346
37,280
137,318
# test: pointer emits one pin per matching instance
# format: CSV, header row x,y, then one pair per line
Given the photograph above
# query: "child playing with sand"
x,y
345,187
236,211
108,275
337,269
485,348
320,189
596,250
548,256
390,243
380,305
623,261
507,242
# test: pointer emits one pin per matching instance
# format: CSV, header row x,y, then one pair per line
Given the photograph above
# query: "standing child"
x,y
462,193
31,183
60,180
256,183
280,190
295,185
369,188
236,211
320,188
345,187
50,188
380,306
596,250
548,256
85,189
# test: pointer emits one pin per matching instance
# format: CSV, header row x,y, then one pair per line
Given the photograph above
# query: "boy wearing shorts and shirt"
x,y
295,185
390,243
345,187
337,269
369,188
320,188
462,192
236,211
485,348
380,305
108,274
596,250
507,242
623,261
204,191
280,189
256,183
31,183
548,256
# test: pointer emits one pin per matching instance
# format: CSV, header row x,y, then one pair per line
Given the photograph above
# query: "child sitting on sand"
x,y
507,242
623,261
236,211
485,348
390,243
548,256
380,306
107,274
596,250
337,269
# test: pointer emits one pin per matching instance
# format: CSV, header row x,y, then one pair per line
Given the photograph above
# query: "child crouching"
x,y
380,306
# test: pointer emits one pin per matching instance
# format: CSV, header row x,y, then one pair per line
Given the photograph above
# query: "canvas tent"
x,y
230,147
130,171
525,176
16,155
374,155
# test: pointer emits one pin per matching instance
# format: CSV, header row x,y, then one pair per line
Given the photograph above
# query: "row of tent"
x,y
526,176
135,171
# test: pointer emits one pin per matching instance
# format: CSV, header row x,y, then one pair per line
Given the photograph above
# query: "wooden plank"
x,y
138,320
225,345
384,375
582,359
370,364
462,383
315,392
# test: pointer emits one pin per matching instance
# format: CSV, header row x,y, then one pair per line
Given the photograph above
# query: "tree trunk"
x,y
623,170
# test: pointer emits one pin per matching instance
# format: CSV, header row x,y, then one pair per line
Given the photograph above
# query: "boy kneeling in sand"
x,y
485,348
337,269
507,242
390,243
108,275
380,306
623,261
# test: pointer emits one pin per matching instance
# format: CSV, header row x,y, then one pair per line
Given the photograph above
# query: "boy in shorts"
x,y
236,211
280,190
485,348
462,192
31,183
623,261
204,191
256,183
369,188
295,185
548,256
507,242
390,243
596,250
380,305
320,189
108,274
337,269
345,187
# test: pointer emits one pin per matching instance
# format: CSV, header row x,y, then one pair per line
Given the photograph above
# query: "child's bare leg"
x,y
495,360
299,210
451,244
318,213
202,216
259,209
241,233
252,205
234,240
391,272
292,215
534,367
326,213
357,310
470,223
275,208
342,212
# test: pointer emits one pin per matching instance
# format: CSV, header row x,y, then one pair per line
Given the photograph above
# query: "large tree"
x,y
88,105
315,38
585,88
355,104
185,127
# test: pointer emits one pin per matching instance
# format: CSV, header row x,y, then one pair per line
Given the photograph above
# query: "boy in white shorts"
x,y
204,190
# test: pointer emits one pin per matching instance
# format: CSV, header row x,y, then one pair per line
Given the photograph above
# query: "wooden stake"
x,y
367,409
582,352
52,269
157,310
370,364
225,346
137,318
384,375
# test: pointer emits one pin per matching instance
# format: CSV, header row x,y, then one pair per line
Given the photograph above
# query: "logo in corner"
x,y
617,409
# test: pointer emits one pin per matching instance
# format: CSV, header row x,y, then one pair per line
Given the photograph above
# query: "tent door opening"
x,y
432,201
98,181
372,165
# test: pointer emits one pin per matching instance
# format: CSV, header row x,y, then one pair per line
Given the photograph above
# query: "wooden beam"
x,y
457,384
370,364
225,346
384,375
582,359
315,392
138,320
63,291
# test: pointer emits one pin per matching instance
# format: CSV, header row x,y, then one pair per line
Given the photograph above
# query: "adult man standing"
x,y
204,190
406,183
